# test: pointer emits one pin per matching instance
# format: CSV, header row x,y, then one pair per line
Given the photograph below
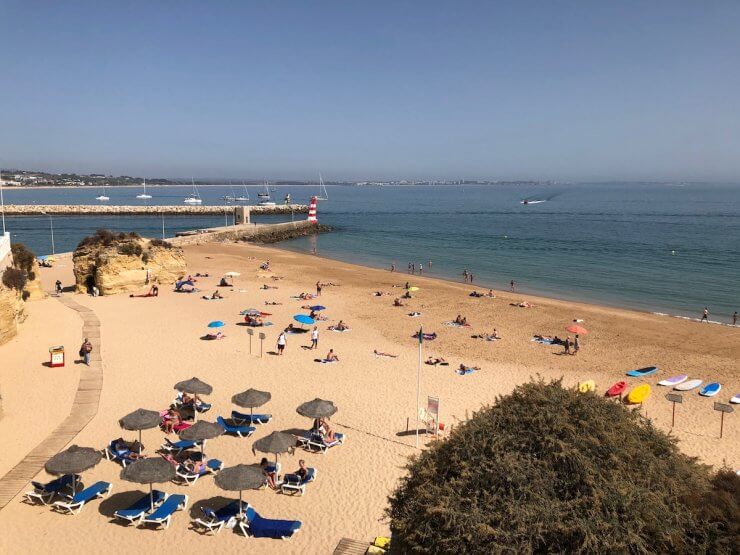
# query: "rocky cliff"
x,y
33,289
118,263
11,313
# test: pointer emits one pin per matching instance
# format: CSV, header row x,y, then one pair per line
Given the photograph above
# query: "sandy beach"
x,y
149,344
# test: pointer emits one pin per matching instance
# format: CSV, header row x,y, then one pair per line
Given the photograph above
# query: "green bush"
x,y
14,278
547,469
160,243
130,248
106,238
23,259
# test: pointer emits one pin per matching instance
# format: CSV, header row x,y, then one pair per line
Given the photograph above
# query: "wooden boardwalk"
x,y
84,408
348,546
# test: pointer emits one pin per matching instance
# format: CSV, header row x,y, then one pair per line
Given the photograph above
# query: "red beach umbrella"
x,y
577,329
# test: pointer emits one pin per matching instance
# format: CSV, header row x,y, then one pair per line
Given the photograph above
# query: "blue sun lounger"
x,y
189,478
178,446
98,489
163,514
258,527
293,484
250,419
314,441
214,520
140,507
241,431
46,492
123,456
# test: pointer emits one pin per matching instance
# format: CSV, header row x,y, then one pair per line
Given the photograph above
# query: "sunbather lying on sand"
x,y
414,314
427,336
553,340
341,326
214,336
476,294
434,361
380,293
153,292
523,304
202,275
382,354
273,303
265,286
488,336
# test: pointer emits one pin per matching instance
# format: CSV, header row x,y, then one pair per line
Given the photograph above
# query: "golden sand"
x,y
149,344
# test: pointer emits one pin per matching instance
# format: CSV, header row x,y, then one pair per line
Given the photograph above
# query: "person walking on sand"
x,y
734,319
393,267
85,350
566,344
315,338
705,316
318,288
58,287
576,345
281,342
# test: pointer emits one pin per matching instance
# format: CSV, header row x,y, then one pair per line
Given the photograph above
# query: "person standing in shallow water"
x,y
734,319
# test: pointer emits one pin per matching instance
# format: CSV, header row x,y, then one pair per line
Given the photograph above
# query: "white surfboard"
x,y
675,380
736,399
687,386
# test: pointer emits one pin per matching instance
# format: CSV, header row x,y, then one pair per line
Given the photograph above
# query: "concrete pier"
x,y
112,210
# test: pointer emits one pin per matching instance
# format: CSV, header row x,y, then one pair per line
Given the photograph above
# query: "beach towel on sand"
x,y
542,341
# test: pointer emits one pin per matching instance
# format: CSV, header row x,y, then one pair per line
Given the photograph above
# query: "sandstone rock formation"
x,y
33,289
118,263
11,313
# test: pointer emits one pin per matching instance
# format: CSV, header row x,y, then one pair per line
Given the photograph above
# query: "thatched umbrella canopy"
x,y
149,471
239,478
140,419
201,431
251,398
194,386
318,408
276,443
74,460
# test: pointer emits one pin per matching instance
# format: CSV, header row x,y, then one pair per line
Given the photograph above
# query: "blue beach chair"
x,y
314,441
258,527
241,431
123,456
213,521
188,478
178,447
292,482
250,419
142,506
97,490
163,514
46,492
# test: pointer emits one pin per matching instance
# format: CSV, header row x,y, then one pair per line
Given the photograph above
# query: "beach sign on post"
x,y
250,332
722,409
674,398
262,338
433,412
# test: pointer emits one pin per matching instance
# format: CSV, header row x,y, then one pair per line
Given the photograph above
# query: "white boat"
x,y
245,196
194,197
266,203
323,195
144,195
102,196
265,196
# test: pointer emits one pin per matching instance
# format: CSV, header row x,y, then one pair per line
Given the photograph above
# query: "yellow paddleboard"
x,y
639,394
585,387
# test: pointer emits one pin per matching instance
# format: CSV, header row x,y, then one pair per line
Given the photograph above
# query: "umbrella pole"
x,y
241,512
151,496
139,442
74,484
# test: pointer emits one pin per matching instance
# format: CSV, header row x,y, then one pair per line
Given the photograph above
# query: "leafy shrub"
x,y
160,243
548,469
23,259
130,248
14,278
106,238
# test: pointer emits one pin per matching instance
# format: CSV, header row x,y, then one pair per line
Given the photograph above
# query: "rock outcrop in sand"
x,y
33,291
11,312
118,263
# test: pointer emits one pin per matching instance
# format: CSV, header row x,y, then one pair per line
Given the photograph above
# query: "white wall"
x,y
4,250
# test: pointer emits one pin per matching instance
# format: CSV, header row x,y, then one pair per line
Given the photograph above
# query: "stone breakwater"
x,y
94,210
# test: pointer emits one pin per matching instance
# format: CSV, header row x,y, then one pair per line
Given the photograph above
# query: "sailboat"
x,y
232,196
102,196
265,198
245,196
144,195
323,195
194,197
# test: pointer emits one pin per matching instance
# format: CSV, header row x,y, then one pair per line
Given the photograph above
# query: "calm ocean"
x,y
660,247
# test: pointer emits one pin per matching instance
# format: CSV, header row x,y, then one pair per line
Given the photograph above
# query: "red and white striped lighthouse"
x,y
312,211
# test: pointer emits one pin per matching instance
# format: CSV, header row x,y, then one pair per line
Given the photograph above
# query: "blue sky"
x,y
563,90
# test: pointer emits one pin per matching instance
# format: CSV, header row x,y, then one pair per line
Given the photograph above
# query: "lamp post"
x,y
2,202
51,228
163,237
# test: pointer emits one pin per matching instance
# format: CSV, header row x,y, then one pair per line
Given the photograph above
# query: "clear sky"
x,y
574,90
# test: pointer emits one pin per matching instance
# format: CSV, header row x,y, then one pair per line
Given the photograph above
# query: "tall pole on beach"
x,y
163,237
2,201
51,228
418,387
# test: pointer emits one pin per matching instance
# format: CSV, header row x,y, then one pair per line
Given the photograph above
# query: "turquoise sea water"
x,y
664,247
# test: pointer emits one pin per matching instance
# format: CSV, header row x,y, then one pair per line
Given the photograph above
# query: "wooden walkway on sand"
x,y
84,408
348,546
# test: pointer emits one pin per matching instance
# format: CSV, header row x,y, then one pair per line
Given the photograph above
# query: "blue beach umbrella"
x,y
303,319
216,324
317,308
